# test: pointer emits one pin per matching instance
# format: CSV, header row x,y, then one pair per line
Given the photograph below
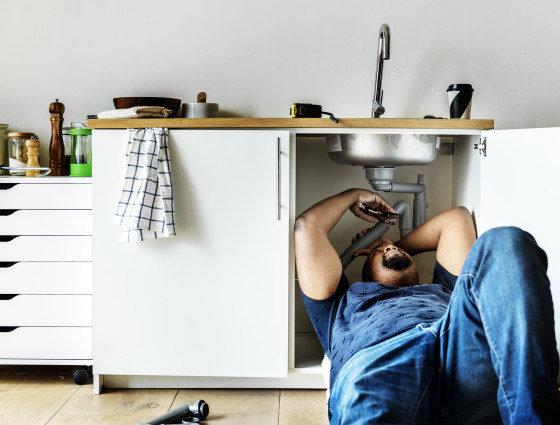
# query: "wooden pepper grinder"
x,y
56,147
32,146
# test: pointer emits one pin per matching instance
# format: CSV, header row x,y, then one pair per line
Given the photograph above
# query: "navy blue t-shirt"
x,y
360,315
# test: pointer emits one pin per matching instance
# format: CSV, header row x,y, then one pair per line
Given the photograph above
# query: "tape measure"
x,y
306,110
309,110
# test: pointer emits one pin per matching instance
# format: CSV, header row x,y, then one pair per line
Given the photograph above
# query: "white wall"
x,y
257,57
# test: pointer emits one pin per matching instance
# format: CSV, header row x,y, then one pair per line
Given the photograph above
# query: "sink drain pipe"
x,y
380,180
378,230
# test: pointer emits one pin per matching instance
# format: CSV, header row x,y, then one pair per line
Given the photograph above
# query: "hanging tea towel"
x,y
145,210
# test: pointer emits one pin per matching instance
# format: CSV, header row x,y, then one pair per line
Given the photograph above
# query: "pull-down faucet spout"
x,y
382,54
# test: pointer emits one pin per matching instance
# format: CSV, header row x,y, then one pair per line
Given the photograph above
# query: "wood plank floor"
x,y
41,395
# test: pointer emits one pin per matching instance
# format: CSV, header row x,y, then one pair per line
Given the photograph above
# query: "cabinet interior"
x,y
317,177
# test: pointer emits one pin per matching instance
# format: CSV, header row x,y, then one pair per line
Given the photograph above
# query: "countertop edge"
x,y
289,123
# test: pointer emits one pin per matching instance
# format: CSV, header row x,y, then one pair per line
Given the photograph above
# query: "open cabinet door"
x,y
520,186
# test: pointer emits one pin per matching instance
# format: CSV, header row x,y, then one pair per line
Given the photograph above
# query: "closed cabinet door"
x,y
520,182
213,300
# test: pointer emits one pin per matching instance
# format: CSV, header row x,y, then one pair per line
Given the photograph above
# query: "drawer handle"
x,y
8,238
7,212
6,186
7,264
7,297
7,329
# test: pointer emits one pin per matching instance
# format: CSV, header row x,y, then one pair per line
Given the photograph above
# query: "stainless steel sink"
x,y
382,150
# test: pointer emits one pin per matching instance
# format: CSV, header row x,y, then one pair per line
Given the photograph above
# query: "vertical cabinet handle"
x,y
278,181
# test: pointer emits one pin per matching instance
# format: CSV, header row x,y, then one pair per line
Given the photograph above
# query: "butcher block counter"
x,y
295,123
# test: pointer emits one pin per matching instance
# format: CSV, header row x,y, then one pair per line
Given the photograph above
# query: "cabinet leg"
x,y
97,384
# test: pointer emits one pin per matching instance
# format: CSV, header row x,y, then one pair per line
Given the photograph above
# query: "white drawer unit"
x,y
46,272
34,345
57,195
56,277
45,310
45,222
45,248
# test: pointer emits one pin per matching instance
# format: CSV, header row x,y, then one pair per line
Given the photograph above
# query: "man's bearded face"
x,y
396,262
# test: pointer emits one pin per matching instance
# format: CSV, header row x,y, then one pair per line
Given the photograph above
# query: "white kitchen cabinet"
x,y
45,271
213,300
517,183
218,306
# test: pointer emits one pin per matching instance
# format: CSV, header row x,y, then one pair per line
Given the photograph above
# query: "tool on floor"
x,y
308,110
386,217
187,414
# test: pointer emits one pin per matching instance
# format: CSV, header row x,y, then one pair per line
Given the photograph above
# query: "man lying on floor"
x,y
476,346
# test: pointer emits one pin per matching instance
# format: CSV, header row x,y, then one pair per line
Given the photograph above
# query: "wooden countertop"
x,y
474,124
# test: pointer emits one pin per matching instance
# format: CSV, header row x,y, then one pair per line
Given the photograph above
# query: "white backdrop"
x,y
256,57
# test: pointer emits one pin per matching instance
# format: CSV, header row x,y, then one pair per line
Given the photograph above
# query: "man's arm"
x,y
451,234
318,265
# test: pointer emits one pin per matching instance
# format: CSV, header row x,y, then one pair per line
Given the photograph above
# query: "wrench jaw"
x,y
386,217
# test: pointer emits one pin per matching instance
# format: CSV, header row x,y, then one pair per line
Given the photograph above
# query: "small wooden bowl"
x,y
166,102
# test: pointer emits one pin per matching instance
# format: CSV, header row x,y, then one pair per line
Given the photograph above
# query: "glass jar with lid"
x,y
17,152
80,160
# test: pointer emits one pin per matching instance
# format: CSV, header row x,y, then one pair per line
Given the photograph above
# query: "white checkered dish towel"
x,y
145,210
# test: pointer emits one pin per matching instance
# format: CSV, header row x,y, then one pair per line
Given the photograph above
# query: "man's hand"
x,y
318,265
375,201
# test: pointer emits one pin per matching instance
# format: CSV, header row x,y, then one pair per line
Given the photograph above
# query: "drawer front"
x,y
46,277
45,248
46,343
45,196
45,222
45,310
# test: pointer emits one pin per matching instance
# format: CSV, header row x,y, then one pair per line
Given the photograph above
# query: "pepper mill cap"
x,y
32,143
56,107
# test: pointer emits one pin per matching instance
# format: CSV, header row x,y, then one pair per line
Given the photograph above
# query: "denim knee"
x,y
512,244
506,235
507,256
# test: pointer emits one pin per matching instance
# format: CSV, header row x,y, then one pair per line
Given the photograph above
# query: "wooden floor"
x,y
38,395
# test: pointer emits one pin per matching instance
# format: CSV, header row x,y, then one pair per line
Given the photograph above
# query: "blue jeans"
x,y
492,357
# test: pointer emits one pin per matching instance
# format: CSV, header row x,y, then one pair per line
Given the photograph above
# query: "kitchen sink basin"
x,y
382,150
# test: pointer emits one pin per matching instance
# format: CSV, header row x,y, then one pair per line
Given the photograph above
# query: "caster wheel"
x,y
81,375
